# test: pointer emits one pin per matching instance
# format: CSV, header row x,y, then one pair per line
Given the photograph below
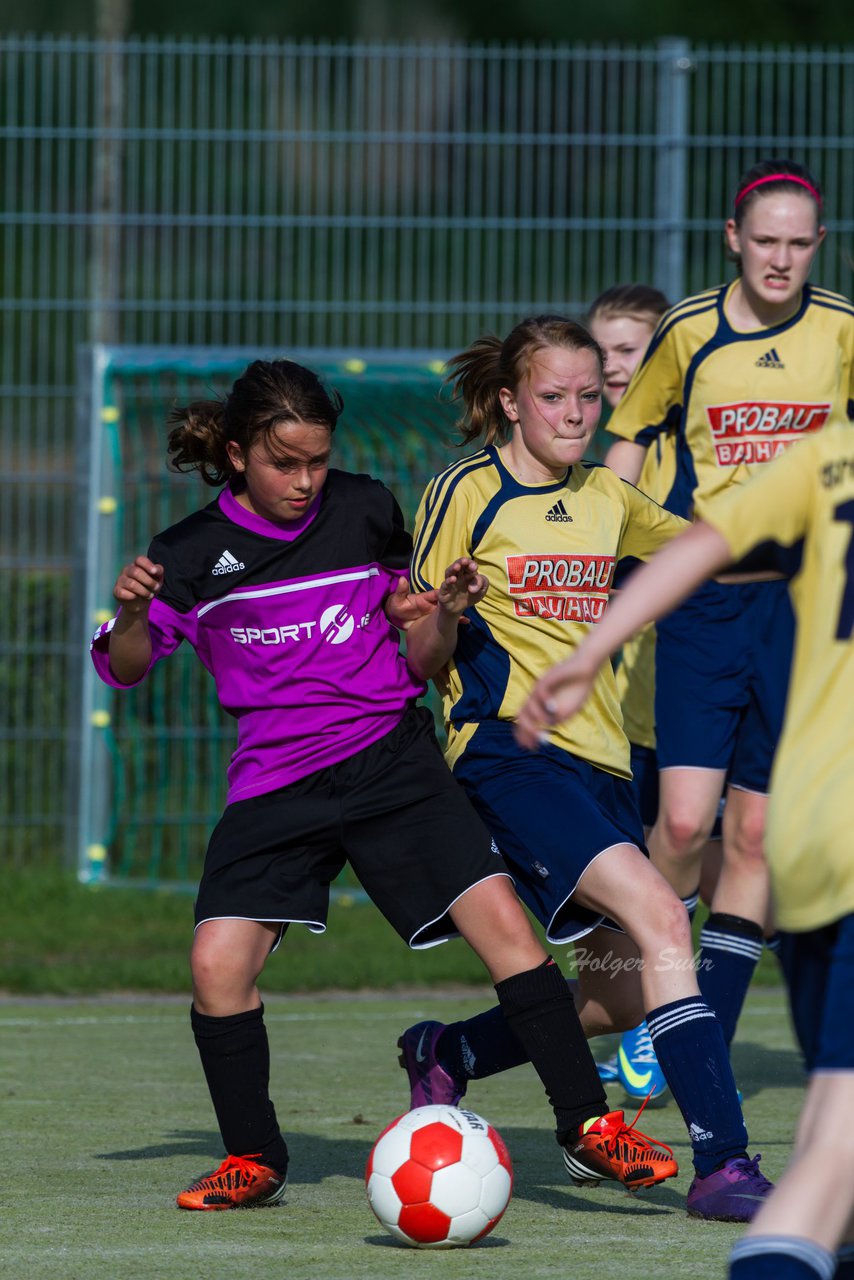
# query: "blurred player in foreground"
x,y
804,499
548,530
287,586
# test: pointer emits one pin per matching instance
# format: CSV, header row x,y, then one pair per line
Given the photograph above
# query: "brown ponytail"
x,y
197,441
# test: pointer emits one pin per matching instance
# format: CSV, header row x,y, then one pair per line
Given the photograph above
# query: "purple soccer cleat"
x,y
428,1081
733,1193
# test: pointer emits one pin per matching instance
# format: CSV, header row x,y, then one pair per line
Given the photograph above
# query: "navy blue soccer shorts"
x,y
644,762
819,970
551,815
392,810
722,675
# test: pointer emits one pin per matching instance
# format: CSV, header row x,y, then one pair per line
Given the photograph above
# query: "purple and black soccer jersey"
x,y
290,623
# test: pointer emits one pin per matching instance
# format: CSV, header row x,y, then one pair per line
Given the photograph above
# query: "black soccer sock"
x,y
541,1012
235,1058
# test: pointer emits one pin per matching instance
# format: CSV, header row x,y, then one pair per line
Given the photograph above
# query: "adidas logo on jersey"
x,y
227,564
770,360
558,513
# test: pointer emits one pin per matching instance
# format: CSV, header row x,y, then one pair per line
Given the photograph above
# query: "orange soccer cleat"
x,y
240,1182
611,1150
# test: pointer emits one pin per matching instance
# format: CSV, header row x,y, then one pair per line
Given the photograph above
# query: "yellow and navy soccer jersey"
x,y
636,672
809,494
738,399
549,551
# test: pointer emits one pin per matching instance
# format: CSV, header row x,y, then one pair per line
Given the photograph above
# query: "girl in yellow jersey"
x,y
622,320
741,372
548,530
805,499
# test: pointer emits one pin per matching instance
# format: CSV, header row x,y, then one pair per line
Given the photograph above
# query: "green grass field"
x,y
106,1117
58,937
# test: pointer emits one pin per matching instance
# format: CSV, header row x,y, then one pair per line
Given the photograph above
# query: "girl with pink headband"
x,y
740,373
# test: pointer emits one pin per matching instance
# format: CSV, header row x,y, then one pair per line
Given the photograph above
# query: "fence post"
x,y
112,20
97,549
671,166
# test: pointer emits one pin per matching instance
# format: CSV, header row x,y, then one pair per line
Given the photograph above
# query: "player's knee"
x,y
668,925
205,970
745,840
683,829
217,974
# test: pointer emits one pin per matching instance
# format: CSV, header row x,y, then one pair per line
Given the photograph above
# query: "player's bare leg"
x,y
608,993
744,886
732,938
225,961
688,806
613,884
492,920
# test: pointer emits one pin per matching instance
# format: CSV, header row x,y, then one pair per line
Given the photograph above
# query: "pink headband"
x,y
779,177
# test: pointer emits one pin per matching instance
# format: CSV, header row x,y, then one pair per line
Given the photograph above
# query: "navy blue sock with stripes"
x,y
780,1258
729,949
479,1047
690,904
774,943
691,1051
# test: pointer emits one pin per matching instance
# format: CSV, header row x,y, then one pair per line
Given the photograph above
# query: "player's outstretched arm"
x,y
651,592
130,639
432,639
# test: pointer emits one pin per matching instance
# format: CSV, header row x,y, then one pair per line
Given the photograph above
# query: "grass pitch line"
x,y
131,1019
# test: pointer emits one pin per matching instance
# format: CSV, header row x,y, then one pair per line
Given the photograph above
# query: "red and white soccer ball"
x,y
439,1177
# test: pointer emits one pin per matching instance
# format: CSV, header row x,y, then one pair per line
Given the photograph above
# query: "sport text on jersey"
x,y
335,626
565,588
757,431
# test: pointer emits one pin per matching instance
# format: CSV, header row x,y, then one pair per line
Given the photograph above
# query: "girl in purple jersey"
x,y
286,586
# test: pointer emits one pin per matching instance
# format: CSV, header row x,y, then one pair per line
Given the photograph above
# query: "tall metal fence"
x,y
354,197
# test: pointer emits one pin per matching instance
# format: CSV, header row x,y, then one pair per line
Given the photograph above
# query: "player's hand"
x,y
556,696
463,586
138,584
403,606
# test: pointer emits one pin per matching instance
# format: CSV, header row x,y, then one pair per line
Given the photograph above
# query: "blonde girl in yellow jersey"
x,y
547,530
622,320
804,500
740,372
